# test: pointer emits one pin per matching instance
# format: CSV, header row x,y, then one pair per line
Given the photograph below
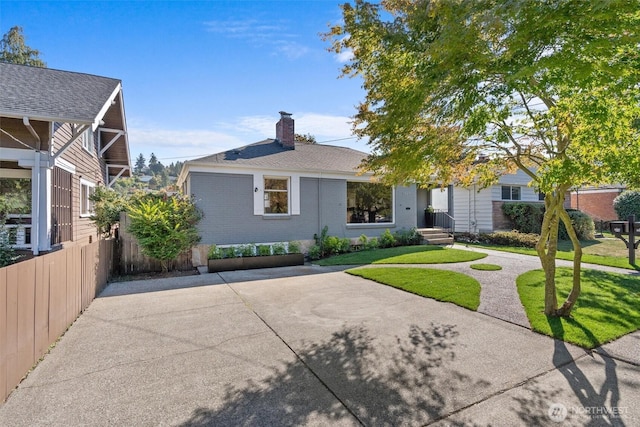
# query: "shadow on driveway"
x,y
374,391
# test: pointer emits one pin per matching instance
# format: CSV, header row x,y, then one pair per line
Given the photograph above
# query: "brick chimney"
x,y
285,131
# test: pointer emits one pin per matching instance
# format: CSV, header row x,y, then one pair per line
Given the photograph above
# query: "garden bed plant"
x,y
251,256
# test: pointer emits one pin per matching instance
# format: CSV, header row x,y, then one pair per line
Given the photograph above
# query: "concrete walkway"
x,y
312,346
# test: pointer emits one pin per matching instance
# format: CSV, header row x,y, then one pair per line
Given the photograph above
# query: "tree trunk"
x,y
547,247
566,308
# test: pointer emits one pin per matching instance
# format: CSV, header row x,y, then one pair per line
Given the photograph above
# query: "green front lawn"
x,y
610,252
608,307
421,254
440,285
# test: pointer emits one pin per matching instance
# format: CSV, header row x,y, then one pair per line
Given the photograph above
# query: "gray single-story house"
x,y
279,190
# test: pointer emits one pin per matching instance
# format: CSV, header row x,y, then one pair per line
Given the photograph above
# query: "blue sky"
x,y
200,77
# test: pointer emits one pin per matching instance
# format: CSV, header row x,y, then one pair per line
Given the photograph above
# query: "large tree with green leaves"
x,y
547,87
13,49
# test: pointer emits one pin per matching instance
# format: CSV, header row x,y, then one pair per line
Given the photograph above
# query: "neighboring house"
x,y
61,135
480,210
279,190
597,202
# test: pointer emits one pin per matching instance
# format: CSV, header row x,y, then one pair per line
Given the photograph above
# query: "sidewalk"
x,y
311,346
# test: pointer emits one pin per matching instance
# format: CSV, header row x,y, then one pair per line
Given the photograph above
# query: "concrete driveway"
x,y
310,346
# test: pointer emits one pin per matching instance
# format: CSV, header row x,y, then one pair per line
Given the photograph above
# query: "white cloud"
x,y
184,144
258,33
323,127
179,144
344,56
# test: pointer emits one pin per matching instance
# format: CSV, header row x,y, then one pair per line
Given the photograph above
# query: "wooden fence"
x,y
133,261
40,298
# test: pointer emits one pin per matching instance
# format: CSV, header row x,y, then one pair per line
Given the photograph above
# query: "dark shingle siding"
x,y
270,154
43,92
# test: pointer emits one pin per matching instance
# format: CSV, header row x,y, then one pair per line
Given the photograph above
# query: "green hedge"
x,y
527,218
627,203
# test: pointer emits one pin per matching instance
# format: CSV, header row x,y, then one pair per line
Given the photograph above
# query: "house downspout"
x,y
35,190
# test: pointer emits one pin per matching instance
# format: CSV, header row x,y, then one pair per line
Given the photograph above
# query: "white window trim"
x,y
89,184
258,194
264,192
88,144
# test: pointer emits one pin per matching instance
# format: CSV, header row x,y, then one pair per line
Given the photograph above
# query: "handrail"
x,y
445,221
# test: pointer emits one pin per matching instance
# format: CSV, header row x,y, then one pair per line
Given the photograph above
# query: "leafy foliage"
x,y
627,203
550,88
526,217
14,50
8,255
501,238
107,206
165,226
279,249
386,239
582,224
214,252
293,247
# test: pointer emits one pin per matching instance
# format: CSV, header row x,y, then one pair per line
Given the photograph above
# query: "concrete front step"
x,y
435,236
440,241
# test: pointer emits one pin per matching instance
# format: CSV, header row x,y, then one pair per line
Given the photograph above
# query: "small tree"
x,y
107,206
547,87
14,50
165,226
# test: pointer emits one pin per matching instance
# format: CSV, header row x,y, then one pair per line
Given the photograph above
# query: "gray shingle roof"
x,y
55,95
269,154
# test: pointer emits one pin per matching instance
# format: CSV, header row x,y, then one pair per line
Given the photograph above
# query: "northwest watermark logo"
x,y
558,412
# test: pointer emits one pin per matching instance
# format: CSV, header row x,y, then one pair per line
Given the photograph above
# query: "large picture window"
x,y
369,202
276,195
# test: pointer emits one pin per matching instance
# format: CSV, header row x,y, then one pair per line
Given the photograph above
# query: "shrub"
x,y
279,249
363,240
107,206
315,252
165,226
510,238
372,243
247,250
214,252
627,203
8,255
582,224
526,217
229,252
332,245
407,237
263,250
387,240
293,247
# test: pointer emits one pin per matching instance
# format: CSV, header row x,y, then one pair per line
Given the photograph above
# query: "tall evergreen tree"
x,y
14,50
141,163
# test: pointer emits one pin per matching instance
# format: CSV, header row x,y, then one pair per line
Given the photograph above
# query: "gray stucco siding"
x,y
227,203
